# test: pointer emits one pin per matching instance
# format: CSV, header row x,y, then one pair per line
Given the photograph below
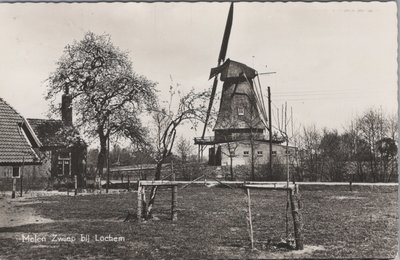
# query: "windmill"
x,y
241,112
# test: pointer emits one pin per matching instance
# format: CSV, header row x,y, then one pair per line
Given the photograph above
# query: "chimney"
x,y
66,107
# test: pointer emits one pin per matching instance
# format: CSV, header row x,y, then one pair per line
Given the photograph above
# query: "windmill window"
x,y
259,153
246,153
241,111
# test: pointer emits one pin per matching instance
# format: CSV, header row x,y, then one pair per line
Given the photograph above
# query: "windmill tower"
x,y
241,113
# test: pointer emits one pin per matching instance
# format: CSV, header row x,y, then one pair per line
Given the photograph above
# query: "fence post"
x,y
21,179
144,203
172,170
174,212
76,184
14,187
297,218
249,218
139,202
100,187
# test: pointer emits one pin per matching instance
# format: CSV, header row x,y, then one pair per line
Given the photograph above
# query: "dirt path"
x,y
241,253
16,212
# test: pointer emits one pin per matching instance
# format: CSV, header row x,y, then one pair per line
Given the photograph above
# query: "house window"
x,y
16,172
259,153
245,153
273,153
7,172
241,111
64,164
287,152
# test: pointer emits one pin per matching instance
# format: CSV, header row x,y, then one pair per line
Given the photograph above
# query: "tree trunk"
x,y
252,171
231,168
154,191
392,167
252,161
102,155
297,219
371,166
360,171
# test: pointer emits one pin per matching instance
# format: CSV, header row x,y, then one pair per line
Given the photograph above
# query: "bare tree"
x,y
372,127
309,146
392,121
184,148
358,151
107,95
366,149
231,146
191,107
334,154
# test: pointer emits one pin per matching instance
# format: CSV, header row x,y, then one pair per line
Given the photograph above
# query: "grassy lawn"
x,y
211,224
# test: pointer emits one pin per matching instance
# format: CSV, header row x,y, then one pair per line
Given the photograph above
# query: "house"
x,y
63,149
241,152
19,145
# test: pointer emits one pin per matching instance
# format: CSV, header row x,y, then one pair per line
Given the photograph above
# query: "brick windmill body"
x,y
238,117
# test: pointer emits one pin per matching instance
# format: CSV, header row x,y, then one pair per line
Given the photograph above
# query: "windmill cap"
x,y
233,69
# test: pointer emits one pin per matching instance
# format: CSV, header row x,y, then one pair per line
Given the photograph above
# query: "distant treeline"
x,y
366,151
363,151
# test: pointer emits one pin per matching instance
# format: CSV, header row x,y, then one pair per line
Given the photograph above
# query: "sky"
x,y
332,60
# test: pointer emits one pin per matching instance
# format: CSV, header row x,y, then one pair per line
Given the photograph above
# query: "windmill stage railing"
x,y
210,140
204,140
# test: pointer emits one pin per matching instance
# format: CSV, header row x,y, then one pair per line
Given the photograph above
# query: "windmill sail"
x,y
227,33
242,115
259,101
221,57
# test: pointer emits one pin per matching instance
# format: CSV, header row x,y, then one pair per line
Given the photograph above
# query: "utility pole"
x,y
108,159
270,120
287,146
270,130
22,173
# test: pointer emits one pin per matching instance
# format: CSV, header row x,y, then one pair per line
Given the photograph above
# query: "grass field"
x,y
211,224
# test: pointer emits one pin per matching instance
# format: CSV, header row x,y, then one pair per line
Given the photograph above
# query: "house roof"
x,y
17,138
46,130
54,133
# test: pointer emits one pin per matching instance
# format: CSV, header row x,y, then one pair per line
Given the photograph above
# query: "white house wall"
x,y
241,158
42,170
